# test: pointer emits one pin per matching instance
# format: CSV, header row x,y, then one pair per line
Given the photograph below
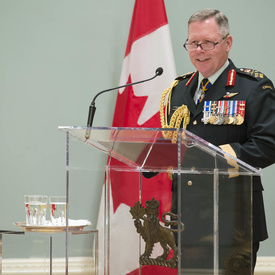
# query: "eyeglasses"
x,y
205,46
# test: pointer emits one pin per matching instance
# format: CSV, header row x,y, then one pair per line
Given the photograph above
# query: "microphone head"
x,y
159,71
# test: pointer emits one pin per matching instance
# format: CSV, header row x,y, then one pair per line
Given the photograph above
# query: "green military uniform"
x,y
249,98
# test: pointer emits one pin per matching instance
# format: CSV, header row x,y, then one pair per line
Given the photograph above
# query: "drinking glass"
x,y
35,209
58,210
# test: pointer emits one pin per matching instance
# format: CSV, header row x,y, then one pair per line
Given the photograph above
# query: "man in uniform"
x,y
233,108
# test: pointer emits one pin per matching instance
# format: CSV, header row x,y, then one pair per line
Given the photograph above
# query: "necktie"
x,y
204,86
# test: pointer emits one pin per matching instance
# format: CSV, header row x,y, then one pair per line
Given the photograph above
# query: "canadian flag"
x,y
149,47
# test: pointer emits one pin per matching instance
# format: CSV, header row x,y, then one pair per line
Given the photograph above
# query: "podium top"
x,y
145,149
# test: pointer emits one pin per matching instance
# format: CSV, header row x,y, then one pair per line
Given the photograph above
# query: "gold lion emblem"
x,y
152,232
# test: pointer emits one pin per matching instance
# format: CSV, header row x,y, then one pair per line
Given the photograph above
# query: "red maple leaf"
x,y
125,185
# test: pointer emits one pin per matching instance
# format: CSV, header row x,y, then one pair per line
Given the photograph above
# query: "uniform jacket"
x,y
254,140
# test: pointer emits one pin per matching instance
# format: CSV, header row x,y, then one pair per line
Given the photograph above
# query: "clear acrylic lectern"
x,y
178,205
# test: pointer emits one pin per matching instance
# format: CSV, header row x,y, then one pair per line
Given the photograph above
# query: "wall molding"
x,y
265,266
85,265
38,266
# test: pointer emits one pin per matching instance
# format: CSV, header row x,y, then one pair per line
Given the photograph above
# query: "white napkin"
x,y
72,223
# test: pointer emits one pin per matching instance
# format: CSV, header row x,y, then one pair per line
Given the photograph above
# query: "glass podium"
x,y
178,205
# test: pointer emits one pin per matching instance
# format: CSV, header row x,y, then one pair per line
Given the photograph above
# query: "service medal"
x,y
240,111
225,120
226,112
221,112
206,112
231,120
221,120
206,120
231,112
212,119
240,119
217,119
213,112
217,113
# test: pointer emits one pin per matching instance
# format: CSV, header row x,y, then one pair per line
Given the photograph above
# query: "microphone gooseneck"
x,y
92,107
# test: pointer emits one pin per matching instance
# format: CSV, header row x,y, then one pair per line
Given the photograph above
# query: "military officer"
x,y
232,108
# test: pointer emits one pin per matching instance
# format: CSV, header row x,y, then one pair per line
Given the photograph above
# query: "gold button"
x,y
189,183
195,122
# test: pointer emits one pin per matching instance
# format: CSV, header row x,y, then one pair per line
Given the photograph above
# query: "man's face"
x,y
208,62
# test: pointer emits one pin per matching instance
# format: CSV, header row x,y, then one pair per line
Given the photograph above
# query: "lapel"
x,y
188,96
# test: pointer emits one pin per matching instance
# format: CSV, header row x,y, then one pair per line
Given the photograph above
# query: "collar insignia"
x,y
231,78
187,84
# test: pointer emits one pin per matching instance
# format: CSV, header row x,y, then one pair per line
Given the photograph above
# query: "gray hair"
x,y
220,18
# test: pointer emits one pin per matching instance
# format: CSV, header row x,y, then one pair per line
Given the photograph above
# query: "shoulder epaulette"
x,y
253,73
257,76
181,77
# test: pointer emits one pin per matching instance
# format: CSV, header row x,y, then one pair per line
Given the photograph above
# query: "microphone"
x,y
92,107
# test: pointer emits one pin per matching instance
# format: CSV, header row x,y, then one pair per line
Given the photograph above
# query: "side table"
x,y
50,235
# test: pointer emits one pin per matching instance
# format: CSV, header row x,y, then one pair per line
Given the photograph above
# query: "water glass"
x,y
35,209
27,209
58,210
43,211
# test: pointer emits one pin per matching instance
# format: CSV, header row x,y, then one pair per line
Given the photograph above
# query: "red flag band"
x,y
148,47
